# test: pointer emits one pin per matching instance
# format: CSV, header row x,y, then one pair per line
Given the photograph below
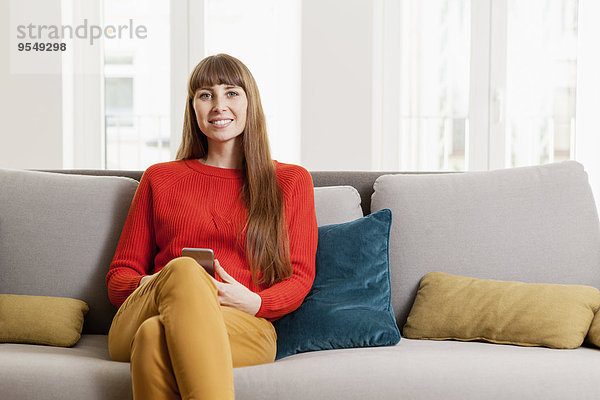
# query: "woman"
x,y
183,330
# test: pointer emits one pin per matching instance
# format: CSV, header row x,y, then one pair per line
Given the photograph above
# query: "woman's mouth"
x,y
221,122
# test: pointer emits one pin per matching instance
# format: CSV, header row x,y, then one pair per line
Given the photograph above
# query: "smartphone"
x,y
204,257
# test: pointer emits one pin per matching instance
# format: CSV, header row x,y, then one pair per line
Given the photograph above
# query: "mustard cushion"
x,y
593,335
55,321
526,314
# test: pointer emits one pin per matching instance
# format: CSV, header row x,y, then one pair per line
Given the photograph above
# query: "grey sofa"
x,y
58,232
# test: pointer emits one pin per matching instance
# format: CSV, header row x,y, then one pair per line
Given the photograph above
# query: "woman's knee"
x,y
181,278
185,268
150,335
150,328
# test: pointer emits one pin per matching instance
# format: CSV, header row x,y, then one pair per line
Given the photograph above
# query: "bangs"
x,y
215,70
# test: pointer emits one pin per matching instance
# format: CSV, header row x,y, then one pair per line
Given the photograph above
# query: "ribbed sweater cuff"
x,y
122,286
269,308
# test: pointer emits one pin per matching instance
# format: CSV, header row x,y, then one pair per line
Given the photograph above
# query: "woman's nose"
x,y
219,104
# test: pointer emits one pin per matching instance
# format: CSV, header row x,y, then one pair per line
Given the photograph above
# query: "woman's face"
x,y
221,112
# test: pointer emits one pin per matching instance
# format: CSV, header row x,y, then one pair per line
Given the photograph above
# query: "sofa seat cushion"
x,y
412,369
57,373
423,369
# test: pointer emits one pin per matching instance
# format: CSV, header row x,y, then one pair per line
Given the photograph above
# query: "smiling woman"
x,y
183,330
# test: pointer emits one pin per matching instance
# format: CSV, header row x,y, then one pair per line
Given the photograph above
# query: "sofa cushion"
x,y
83,371
349,302
58,235
337,204
527,314
593,335
426,370
532,224
54,321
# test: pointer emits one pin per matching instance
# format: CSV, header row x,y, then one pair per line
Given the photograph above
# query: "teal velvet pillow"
x,y
349,304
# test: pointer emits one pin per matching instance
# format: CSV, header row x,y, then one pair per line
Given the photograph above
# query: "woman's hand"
x,y
234,294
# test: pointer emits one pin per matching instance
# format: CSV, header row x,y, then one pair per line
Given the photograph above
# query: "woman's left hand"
x,y
234,294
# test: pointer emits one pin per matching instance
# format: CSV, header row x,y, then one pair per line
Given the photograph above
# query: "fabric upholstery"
x,y
58,235
337,204
532,224
58,373
54,321
361,180
527,314
437,369
453,370
426,370
349,303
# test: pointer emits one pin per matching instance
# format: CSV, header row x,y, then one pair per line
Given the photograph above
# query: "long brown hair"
x,y
267,245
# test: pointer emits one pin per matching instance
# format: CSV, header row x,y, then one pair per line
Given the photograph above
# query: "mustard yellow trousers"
x,y
182,344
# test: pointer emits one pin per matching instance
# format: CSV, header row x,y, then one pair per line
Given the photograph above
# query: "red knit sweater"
x,y
189,204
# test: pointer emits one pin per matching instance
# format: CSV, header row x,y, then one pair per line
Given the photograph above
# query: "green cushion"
x,y
349,304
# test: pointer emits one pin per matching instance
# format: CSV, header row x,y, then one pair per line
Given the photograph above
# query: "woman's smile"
x,y
221,123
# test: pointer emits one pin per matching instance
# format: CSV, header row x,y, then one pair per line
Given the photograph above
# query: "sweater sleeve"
x,y
136,247
286,296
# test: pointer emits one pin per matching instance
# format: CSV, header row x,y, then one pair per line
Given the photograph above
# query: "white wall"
x,y
30,104
336,84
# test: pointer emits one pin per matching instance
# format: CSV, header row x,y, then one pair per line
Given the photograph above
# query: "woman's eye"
x,y
232,94
204,96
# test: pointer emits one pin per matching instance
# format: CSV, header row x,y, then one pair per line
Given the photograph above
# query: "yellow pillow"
x,y
593,335
526,314
55,321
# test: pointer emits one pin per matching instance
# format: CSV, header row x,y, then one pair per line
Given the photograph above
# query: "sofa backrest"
x,y
59,231
58,234
362,181
533,224
536,224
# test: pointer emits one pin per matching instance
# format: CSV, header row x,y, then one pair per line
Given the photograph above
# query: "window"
x,y
264,35
129,93
468,85
452,84
118,106
425,62
137,86
137,77
541,65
